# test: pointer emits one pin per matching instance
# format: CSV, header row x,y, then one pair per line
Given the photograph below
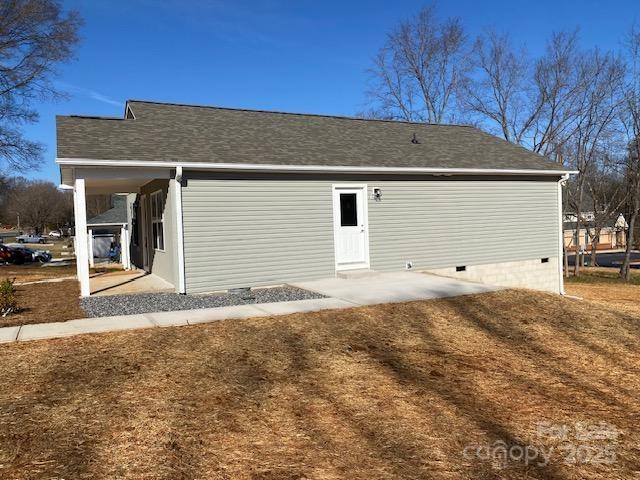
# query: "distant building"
x,y
110,228
612,235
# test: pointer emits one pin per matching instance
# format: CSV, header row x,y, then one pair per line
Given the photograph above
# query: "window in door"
x,y
157,219
348,210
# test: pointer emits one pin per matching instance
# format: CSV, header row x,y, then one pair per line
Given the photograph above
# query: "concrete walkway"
x,y
342,293
48,280
41,331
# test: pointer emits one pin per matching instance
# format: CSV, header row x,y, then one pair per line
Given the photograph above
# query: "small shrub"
x,y
8,301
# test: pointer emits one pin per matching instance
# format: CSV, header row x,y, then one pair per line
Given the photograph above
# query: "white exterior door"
x,y
350,227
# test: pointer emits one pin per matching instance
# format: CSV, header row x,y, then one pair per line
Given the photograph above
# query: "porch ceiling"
x,y
103,180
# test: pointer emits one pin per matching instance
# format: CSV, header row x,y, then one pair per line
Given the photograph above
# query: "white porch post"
x,y
90,248
81,244
124,245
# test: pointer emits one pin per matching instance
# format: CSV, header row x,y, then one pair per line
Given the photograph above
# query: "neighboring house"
x,y
232,198
111,226
612,235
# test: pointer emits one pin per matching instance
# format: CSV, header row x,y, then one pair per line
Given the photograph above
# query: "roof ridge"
x,y
280,112
91,117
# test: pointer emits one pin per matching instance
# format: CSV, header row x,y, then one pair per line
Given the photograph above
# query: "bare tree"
x,y
607,197
35,36
563,107
633,204
40,205
597,102
630,120
418,73
532,102
559,80
500,93
9,185
97,204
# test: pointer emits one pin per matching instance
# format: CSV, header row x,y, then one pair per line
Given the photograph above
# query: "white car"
x,y
55,234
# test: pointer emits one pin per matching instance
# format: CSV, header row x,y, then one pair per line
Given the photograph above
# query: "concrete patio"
x,y
376,287
125,282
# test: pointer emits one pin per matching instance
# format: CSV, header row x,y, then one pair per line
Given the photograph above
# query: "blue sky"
x,y
297,55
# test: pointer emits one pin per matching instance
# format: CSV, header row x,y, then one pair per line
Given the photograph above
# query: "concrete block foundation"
x,y
536,274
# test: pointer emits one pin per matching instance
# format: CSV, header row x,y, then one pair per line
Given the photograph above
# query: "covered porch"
x,y
124,282
151,239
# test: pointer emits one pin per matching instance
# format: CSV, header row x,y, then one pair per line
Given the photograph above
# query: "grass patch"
x,y
602,285
600,275
387,391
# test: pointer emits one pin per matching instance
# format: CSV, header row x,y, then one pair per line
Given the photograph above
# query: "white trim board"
x,y
306,168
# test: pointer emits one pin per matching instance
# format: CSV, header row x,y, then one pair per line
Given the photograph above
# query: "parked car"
x,y
13,255
41,256
7,254
55,234
30,238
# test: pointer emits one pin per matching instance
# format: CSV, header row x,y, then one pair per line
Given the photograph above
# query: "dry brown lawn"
x,y
602,286
42,302
46,302
389,391
33,272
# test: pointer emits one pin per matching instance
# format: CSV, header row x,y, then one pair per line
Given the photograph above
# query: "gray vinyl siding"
x,y
249,233
162,263
450,223
264,231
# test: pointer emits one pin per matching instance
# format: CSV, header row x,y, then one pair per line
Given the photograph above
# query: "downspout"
x,y
561,183
180,230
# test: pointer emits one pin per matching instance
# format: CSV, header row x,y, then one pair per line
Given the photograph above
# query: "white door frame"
x,y
336,223
144,217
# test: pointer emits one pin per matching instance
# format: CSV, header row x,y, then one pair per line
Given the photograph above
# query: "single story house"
x,y
612,234
226,198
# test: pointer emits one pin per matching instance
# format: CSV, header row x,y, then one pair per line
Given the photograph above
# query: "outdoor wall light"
x,y
377,194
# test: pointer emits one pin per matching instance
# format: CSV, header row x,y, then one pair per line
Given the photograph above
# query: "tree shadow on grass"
x,y
402,454
560,372
379,392
516,337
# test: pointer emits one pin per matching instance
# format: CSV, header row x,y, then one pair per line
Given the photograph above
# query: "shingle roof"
x,y
184,133
115,215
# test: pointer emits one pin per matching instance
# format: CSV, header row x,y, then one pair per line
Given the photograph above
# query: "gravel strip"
x,y
133,304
